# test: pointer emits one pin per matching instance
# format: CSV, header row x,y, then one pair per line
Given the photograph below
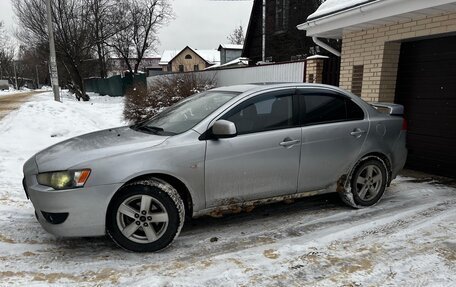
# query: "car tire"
x,y
367,184
145,216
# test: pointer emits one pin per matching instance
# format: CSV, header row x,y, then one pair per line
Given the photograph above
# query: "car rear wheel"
x,y
145,216
368,183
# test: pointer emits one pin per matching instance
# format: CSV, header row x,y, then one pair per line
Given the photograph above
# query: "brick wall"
x,y
314,71
377,49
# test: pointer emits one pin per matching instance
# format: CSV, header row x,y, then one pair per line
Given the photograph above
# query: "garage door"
x,y
426,86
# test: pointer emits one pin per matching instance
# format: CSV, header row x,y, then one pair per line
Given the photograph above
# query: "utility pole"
x,y
15,74
37,77
53,58
263,42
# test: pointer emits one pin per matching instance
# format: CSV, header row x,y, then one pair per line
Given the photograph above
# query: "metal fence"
x,y
114,86
282,72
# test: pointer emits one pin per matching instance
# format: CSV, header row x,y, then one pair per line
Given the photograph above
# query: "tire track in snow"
x,y
296,234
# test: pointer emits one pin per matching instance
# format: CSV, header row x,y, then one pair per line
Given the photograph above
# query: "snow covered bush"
x,y
142,103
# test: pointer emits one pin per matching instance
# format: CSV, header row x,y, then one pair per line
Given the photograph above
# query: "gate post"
x,y
314,69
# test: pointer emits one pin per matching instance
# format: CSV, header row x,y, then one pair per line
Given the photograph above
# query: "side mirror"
x,y
224,129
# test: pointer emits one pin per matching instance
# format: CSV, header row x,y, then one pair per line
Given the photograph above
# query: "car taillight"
x,y
404,125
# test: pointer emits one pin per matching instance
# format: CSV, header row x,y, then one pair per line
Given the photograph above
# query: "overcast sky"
x,y
201,24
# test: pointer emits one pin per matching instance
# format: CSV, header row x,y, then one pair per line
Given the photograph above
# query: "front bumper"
x,y
86,207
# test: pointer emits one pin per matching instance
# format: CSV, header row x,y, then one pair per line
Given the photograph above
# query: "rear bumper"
x,y
71,213
399,154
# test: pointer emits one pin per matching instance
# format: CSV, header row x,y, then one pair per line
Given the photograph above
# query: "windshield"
x,y
185,114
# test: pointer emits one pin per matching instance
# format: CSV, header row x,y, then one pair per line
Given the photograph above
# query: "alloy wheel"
x,y
369,182
142,218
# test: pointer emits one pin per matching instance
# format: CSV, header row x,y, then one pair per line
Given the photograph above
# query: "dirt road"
x,y
11,102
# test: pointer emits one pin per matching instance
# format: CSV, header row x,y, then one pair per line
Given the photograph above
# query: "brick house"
x,y
400,51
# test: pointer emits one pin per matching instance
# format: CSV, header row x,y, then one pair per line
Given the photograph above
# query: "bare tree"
x,y
105,25
139,21
6,54
86,31
237,37
3,35
73,33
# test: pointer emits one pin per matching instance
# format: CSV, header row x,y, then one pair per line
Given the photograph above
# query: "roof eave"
x,y
333,25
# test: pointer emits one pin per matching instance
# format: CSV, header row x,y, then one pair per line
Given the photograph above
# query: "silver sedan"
x,y
231,147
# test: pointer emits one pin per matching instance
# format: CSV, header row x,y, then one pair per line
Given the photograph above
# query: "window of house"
x,y
268,112
195,68
357,79
181,68
188,57
282,13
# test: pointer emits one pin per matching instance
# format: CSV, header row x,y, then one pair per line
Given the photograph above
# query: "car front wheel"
x,y
145,216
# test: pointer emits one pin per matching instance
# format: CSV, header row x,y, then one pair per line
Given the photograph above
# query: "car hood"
x,y
92,146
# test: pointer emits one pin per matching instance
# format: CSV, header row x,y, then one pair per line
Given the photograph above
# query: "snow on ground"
x,y
13,91
408,239
43,122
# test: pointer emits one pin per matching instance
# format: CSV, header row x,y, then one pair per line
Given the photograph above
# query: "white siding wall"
x,y
288,72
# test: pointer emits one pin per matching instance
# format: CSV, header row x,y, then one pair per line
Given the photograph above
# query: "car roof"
x,y
256,87
248,89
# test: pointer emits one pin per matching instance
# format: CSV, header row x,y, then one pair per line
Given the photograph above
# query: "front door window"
x,y
264,114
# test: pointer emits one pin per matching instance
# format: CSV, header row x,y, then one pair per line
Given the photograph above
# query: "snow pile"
x,y
43,122
331,6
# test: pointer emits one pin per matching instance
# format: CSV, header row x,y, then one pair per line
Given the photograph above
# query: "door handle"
x,y
289,142
357,132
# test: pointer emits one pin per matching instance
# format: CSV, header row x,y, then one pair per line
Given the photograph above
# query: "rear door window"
x,y
354,112
321,107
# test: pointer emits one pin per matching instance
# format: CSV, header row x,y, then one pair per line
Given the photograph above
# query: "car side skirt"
x,y
234,205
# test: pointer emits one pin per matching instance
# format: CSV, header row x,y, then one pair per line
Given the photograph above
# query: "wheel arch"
x,y
343,186
180,186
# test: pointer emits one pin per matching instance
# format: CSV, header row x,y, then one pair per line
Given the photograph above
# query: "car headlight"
x,y
64,179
